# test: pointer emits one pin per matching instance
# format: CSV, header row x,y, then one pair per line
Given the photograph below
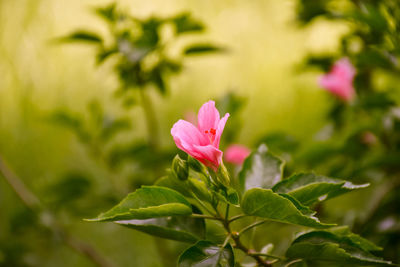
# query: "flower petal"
x,y
342,88
220,129
208,117
186,135
344,69
236,154
210,156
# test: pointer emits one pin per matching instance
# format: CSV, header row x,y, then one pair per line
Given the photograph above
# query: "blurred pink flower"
x,y
236,154
339,81
202,142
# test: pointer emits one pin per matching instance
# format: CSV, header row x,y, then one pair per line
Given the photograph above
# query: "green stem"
x,y
239,245
227,212
237,217
194,215
251,226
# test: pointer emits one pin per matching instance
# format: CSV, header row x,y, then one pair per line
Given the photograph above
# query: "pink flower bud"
x,y
236,154
202,142
339,81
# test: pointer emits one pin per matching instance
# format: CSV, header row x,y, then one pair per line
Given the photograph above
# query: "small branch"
x,y
250,226
29,199
237,217
86,250
227,211
194,215
32,202
250,253
239,245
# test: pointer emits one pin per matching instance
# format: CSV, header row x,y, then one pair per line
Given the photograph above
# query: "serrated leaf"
x,y
261,169
309,187
336,246
82,36
148,202
202,48
179,228
267,204
207,254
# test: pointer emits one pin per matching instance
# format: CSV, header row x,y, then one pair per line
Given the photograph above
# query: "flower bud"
x,y
223,175
196,165
181,168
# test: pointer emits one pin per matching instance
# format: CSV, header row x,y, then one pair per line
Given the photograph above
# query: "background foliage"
x,y
73,167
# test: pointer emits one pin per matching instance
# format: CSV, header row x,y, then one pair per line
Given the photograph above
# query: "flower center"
x,y
211,134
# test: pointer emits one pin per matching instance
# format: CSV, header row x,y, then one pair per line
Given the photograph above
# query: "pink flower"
x,y
236,154
339,81
202,142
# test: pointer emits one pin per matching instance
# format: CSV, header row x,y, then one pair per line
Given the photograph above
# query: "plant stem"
x,y
31,201
238,244
194,215
151,121
237,217
250,226
255,256
227,211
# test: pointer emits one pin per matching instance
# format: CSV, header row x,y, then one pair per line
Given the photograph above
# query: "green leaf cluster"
x,y
177,207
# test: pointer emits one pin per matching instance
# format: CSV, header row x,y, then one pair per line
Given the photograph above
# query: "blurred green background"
x,y
265,49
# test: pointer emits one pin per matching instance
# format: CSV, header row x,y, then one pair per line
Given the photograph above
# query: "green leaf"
x,y
184,24
261,169
202,48
82,36
105,54
342,235
148,202
309,187
303,209
179,228
207,254
200,189
267,204
338,245
108,12
229,196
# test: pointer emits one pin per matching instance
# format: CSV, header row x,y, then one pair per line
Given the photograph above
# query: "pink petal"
x,y
236,154
344,69
186,135
220,129
210,156
342,88
208,117
339,81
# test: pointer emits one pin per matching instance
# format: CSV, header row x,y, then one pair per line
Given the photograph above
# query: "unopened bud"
x,y
223,175
180,168
195,165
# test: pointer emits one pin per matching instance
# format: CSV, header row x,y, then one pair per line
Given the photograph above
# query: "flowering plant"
x,y
185,204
